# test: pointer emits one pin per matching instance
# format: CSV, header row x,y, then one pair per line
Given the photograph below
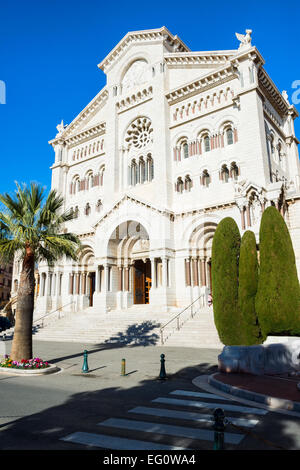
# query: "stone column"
x,y
153,273
164,272
120,283
248,215
187,272
126,283
202,272
71,284
195,272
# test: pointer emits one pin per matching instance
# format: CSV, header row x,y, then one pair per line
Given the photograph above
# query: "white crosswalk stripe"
x,y
115,443
169,430
189,416
212,405
182,436
188,393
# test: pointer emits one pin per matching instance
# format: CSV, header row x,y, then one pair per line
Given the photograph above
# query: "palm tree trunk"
x,y
22,340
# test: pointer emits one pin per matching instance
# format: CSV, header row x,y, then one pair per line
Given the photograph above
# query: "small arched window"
x,y
101,175
76,213
149,168
185,150
224,174
234,171
206,141
99,205
188,183
142,170
179,185
229,136
205,179
87,209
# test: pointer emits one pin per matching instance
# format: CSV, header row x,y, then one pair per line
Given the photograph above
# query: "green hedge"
x,y
248,280
278,294
225,256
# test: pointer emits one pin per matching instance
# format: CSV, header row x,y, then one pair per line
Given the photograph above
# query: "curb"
x,y
11,371
253,396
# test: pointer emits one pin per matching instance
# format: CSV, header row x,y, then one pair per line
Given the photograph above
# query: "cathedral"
x,y
174,142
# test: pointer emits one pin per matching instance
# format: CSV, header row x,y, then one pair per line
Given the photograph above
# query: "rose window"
x,y
139,133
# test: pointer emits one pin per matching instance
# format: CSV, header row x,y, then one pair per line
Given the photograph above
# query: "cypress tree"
x,y
278,295
248,280
225,258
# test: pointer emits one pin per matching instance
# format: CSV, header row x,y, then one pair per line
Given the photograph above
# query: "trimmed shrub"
x,y
224,264
248,281
278,295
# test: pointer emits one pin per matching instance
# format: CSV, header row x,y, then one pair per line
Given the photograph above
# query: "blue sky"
x,y
49,51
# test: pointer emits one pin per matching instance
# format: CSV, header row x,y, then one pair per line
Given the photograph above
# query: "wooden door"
x,y
139,282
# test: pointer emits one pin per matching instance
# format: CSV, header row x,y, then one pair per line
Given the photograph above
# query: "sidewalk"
x,y
277,391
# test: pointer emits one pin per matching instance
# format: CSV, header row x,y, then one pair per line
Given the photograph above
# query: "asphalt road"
x,y
38,412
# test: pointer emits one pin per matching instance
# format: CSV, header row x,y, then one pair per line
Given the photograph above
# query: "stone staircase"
x,y
139,324
196,332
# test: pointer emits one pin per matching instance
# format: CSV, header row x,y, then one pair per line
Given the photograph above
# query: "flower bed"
x,y
25,364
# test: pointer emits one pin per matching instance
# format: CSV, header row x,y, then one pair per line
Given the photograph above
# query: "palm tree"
x,y
32,231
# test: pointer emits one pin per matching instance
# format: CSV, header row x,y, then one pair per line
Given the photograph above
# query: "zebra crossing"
x,y
166,424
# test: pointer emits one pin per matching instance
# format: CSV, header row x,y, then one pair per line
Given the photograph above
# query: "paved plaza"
x,y
103,410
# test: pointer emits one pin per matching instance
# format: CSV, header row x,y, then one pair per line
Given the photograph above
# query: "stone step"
x,y
98,327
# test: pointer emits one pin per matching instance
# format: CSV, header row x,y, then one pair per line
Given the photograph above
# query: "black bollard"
x,y
162,374
219,428
85,367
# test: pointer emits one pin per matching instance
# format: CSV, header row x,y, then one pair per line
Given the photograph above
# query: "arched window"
x,y
272,143
224,174
101,175
179,185
150,168
87,209
89,180
76,213
133,173
142,170
279,150
188,183
205,179
206,141
185,150
234,171
99,205
229,136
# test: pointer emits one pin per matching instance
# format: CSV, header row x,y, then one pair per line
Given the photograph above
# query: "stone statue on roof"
x,y
245,39
60,128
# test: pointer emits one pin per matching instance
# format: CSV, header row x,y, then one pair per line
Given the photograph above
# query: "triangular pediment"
x,y
171,43
138,202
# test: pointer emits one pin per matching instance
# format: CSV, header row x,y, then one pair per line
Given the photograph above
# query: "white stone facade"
x,y
174,142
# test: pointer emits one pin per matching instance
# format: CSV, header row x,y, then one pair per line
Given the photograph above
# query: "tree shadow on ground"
x,y
136,335
82,412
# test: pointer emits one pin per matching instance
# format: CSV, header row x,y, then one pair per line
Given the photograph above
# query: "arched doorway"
x,y
128,254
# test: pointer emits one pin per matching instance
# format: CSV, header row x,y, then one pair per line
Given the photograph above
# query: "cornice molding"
x,y
207,81
89,133
270,90
208,58
134,99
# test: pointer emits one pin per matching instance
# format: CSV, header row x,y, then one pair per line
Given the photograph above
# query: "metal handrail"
x,y
53,311
177,317
41,318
